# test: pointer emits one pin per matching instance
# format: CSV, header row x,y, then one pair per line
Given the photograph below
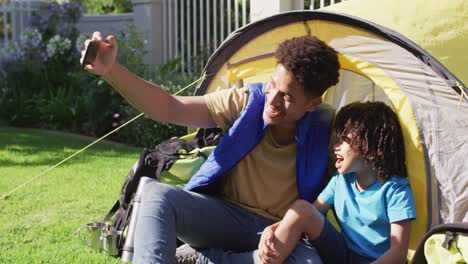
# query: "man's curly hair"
x,y
376,136
314,64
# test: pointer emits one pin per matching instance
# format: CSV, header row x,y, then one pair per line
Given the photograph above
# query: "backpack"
x,y
445,243
173,161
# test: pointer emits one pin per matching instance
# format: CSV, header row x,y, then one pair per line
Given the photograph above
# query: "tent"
x,y
439,27
376,64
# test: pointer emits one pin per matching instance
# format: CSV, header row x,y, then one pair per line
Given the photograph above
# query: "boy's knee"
x,y
308,215
302,207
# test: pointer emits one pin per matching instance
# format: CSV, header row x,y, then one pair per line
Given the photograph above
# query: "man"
x,y
274,153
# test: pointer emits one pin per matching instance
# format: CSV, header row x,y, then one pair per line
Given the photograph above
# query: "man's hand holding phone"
x,y
99,54
90,53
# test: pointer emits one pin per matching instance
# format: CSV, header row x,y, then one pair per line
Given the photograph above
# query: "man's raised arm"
x,y
143,95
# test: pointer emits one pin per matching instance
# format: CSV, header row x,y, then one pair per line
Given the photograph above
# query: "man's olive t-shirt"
x,y
264,182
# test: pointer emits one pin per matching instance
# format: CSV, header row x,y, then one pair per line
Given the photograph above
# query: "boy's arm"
x,y
322,206
400,234
145,96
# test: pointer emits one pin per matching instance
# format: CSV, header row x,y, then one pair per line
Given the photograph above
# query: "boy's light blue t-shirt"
x,y
365,217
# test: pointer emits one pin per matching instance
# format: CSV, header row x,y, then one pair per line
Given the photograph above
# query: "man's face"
x,y
285,101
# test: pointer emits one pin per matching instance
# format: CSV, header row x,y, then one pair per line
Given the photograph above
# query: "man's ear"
x,y
313,104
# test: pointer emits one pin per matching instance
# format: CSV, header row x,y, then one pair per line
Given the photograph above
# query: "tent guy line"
x,y
6,195
462,94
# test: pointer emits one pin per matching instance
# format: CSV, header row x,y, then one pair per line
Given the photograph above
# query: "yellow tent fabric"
x,y
439,27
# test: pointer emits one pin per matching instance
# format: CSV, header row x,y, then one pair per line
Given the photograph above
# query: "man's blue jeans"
x,y
203,222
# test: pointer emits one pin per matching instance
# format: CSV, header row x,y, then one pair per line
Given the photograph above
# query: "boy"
x,y
371,197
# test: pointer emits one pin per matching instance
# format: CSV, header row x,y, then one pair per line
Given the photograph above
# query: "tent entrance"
x,y
360,80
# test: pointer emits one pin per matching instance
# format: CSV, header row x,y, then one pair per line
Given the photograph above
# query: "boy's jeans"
x,y
201,221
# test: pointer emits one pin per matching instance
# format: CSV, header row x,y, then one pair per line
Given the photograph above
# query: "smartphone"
x,y
90,53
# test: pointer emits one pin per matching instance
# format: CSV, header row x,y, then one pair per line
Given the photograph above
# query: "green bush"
x,y
144,130
58,94
107,6
101,98
37,71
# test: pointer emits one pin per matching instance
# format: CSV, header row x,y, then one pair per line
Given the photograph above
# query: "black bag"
x,y
152,163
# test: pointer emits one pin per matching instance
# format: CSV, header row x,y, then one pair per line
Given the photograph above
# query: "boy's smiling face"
x,y
347,158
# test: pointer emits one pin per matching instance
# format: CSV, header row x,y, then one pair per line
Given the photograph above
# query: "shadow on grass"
x,y
21,147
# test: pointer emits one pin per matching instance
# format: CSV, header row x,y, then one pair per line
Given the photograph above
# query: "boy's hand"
x,y
102,58
267,253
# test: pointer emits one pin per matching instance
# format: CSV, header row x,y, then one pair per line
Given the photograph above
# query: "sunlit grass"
x,y
38,221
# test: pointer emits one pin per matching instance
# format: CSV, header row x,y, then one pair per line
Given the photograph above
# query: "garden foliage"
x,y
107,6
43,86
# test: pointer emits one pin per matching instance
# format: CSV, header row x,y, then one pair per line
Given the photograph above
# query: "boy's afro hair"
x,y
376,136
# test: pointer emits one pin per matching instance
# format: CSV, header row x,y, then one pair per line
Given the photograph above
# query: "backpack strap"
x,y
161,164
112,211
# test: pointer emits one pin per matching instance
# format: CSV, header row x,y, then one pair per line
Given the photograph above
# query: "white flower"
x,y
58,46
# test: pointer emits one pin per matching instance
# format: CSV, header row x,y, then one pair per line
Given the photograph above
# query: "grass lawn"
x,y
38,221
